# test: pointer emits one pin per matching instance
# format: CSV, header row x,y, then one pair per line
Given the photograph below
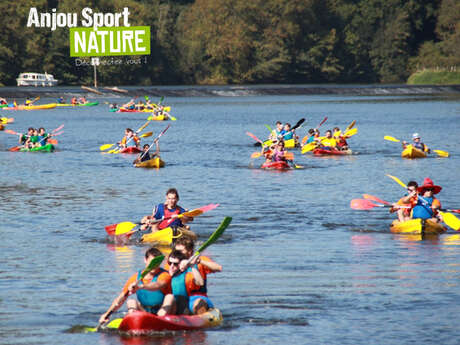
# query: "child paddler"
x,y
24,137
199,301
42,137
130,139
185,278
150,293
167,210
145,155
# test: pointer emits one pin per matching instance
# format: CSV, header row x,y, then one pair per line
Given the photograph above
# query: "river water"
x,y
300,266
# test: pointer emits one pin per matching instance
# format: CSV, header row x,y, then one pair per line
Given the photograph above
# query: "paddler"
x,y
427,204
61,100
130,139
139,106
24,137
278,154
339,137
288,134
185,278
3,101
150,293
82,100
277,132
408,202
42,137
199,301
169,209
145,155
417,143
328,142
74,101
27,101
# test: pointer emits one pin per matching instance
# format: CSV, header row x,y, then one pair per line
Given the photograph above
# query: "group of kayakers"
x,y
332,140
34,138
419,202
74,100
180,286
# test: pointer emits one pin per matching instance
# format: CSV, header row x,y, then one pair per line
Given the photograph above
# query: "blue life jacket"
x,y
178,284
423,209
150,298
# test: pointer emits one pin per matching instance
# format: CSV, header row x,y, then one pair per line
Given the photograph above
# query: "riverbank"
x,y
434,77
234,91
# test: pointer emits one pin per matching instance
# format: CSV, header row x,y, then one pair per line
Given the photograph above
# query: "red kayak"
x,y
332,152
131,149
141,322
281,165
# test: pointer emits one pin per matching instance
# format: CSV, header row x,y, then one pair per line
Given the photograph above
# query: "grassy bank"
x,y
432,77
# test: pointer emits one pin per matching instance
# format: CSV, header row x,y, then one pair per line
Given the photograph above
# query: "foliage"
x,y
238,41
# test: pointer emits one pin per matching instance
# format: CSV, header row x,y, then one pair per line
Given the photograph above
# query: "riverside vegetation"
x,y
258,41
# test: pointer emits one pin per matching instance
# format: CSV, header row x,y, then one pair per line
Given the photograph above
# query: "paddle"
x,y
5,120
34,100
374,198
125,228
213,238
448,218
305,138
309,147
154,263
157,138
350,126
440,153
107,146
255,138
364,204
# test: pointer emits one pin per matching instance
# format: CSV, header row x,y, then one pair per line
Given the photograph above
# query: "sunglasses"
x,y
173,263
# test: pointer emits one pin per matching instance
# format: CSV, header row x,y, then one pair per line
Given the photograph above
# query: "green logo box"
x,y
108,41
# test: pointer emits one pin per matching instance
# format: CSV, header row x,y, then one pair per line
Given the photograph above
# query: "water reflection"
x,y
451,240
124,256
175,338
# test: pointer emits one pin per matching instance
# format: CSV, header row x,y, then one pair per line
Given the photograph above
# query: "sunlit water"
x,y
299,265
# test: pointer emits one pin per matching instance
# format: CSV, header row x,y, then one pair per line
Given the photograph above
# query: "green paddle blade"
x,y
156,261
215,235
451,221
172,118
269,128
124,227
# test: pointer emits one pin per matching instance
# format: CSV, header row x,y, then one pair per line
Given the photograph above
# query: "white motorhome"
x,y
36,79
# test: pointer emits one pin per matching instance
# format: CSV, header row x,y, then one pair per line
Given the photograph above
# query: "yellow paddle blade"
x,y
350,132
105,147
401,183
124,227
172,118
167,109
350,126
289,144
256,155
336,134
389,138
146,135
113,151
267,143
450,220
442,153
309,147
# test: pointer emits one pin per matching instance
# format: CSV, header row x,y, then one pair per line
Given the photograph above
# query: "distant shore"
x,y
233,90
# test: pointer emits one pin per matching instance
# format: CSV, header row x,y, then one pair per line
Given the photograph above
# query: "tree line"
x,y
247,42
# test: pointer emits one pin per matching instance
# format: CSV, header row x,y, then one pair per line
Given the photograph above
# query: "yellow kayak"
x,y
32,107
288,144
151,163
166,236
412,152
417,226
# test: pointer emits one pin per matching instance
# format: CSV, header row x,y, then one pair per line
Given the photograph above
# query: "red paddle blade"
x,y
374,198
254,137
16,148
110,229
362,204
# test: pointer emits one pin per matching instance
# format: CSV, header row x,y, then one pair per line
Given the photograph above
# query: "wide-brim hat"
x,y
428,183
